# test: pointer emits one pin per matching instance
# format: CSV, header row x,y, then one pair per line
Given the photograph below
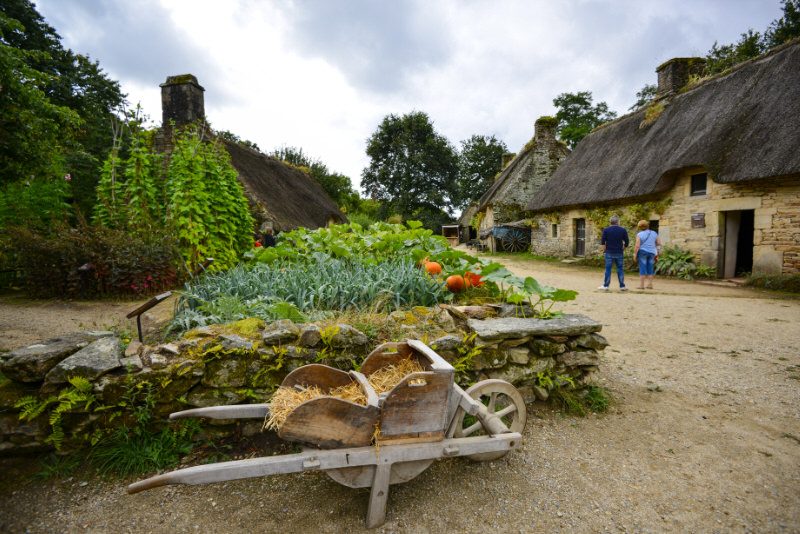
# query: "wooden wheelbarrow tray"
x,y
423,418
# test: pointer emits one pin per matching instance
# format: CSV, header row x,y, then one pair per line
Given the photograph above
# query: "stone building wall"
x,y
776,235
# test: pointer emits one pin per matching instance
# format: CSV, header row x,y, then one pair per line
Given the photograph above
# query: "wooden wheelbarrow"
x,y
425,417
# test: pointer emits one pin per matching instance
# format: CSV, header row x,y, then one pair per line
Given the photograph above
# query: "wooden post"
x,y
379,495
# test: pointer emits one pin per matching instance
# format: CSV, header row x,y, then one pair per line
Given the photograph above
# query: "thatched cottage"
x,y
714,164
281,197
502,207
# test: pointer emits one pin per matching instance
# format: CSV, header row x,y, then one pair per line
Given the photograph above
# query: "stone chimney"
x,y
674,74
181,100
545,128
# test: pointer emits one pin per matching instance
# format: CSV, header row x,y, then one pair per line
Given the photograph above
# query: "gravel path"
x,y
704,436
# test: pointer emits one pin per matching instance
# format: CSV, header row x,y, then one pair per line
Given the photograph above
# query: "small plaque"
x,y
698,220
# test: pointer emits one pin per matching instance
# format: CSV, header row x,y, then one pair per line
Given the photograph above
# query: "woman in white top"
x,y
647,246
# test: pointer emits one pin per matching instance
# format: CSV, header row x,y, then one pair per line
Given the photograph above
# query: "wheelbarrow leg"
x,y
379,495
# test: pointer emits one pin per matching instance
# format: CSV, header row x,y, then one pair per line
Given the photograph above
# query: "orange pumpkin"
x,y
455,283
433,268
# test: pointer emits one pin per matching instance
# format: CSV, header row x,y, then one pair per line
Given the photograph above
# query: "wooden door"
x,y
580,237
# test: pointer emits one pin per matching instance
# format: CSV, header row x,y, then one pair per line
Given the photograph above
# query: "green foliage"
x,y
577,116
207,209
644,96
89,261
751,44
651,113
467,352
777,282
230,136
58,466
517,290
55,106
77,397
787,27
479,161
674,261
412,169
37,204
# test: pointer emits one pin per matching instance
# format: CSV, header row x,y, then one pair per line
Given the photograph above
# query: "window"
x,y
555,230
698,187
654,226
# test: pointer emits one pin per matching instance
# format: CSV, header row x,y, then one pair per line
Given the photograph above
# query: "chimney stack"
x,y
181,100
545,128
674,74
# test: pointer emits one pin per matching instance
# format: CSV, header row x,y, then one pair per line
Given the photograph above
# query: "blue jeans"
x,y
616,259
647,263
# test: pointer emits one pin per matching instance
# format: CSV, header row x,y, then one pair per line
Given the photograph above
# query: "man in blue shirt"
x,y
614,241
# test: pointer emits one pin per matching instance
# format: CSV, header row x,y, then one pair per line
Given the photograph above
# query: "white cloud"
x,y
322,74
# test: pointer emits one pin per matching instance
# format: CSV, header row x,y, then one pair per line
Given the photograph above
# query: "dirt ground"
x,y
704,436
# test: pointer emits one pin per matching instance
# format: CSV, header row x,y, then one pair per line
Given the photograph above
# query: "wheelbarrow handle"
x,y
234,411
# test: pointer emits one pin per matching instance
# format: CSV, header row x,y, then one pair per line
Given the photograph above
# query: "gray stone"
x,y
446,343
134,348
514,342
32,363
577,358
539,365
592,341
482,343
540,392
278,332
514,310
90,362
546,349
488,359
310,336
202,397
226,372
512,327
158,361
233,342
519,356
445,320
347,336
131,363
169,349
514,374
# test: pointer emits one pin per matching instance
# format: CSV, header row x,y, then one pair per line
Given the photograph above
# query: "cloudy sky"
x,y
322,74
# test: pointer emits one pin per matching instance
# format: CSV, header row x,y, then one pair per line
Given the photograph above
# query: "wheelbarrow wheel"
x,y
501,399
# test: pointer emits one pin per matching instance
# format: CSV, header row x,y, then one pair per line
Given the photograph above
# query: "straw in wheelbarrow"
x,y
285,399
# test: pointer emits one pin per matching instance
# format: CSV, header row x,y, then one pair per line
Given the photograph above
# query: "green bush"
x,y
777,282
94,261
674,261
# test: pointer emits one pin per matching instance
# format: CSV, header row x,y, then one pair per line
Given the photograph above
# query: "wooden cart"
x,y
425,417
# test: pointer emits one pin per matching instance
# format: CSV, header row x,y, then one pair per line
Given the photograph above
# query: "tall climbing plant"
x,y
207,209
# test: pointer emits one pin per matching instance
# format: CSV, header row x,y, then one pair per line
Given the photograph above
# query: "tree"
x,y
412,169
787,27
479,162
69,81
720,58
644,97
577,116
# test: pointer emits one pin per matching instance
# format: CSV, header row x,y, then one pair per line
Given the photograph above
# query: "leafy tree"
x,y
413,170
577,116
338,186
230,136
644,97
720,58
787,27
479,162
67,81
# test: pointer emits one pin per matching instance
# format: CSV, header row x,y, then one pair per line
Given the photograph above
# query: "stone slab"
x,y
90,362
32,363
513,327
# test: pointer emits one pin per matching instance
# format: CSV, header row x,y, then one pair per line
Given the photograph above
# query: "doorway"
x,y
737,253
580,237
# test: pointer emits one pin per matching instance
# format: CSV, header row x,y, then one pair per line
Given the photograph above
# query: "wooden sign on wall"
x,y
698,220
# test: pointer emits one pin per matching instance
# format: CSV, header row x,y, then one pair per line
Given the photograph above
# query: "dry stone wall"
x,y
246,361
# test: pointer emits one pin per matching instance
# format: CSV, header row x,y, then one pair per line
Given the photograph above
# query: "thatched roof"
x,y
468,214
740,126
288,196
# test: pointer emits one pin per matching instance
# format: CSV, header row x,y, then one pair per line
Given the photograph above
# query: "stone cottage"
x,y
280,196
714,164
502,207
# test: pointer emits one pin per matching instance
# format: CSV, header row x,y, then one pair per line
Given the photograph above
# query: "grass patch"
x,y
592,399
59,466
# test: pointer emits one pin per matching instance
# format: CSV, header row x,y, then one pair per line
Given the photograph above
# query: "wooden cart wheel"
x,y
362,476
501,399
515,240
